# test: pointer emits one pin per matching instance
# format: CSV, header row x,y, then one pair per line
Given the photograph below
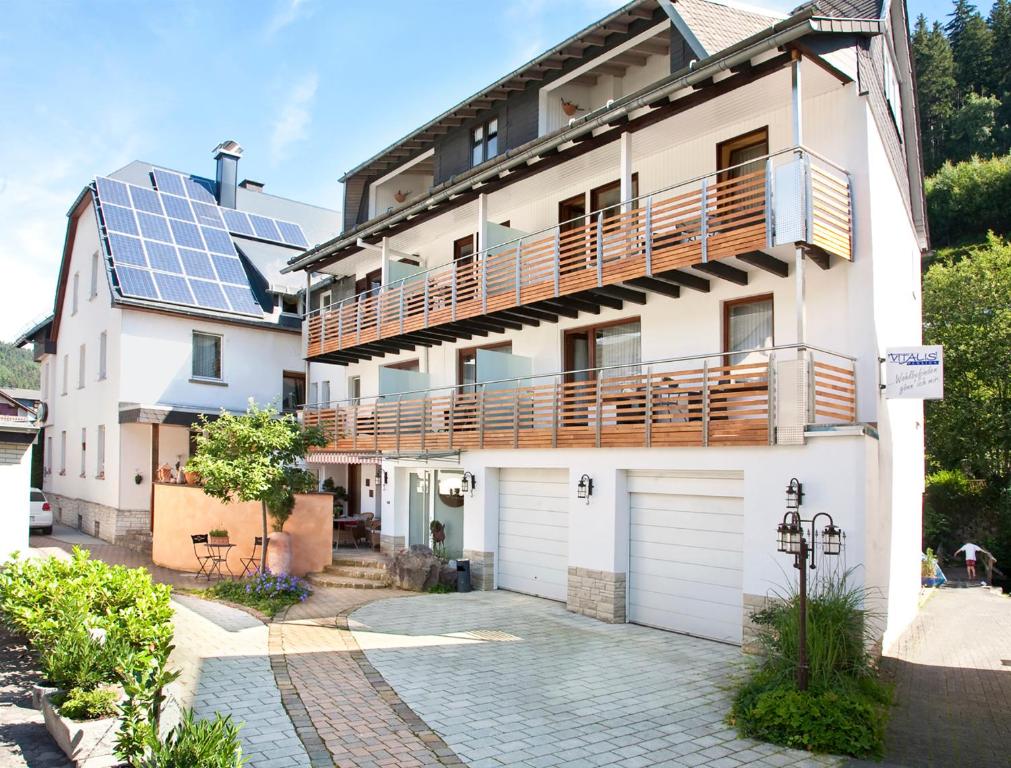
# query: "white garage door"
x,y
686,552
533,538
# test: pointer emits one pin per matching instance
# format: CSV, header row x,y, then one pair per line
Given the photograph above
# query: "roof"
x,y
34,330
709,26
17,398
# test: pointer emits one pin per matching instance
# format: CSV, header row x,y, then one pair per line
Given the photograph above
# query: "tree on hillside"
x,y
1000,27
17,369
935,73
253,457
973,128
972,48
967,308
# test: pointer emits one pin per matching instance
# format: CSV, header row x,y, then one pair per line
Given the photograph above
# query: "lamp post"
x,y
792,538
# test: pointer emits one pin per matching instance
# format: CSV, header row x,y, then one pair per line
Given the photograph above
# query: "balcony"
x,y
769,396
793,197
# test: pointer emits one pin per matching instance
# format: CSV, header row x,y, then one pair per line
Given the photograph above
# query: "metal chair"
x,y
205,559
251,564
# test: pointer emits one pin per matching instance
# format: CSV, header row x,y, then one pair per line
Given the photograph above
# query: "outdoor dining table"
x,y
352,522
219,555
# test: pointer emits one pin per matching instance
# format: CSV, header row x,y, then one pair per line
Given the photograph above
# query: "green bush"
x,y
205,743
81,704
965,200
845,707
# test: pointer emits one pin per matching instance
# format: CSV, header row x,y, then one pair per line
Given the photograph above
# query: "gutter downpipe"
x,y
792,29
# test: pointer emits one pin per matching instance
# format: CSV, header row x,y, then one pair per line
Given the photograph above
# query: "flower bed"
x,y
267,592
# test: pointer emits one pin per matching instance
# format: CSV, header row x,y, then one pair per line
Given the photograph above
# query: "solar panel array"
x,y
172,245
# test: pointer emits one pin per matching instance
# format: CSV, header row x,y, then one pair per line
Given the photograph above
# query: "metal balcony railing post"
x,y
452,293
322,328
451,416
379,313
770,395
354,426
397,422
704,220
340,325
812,386
554,413
851,221
402,306
425,297
519,248
516,417
648,245
480,416
484,283
705,403
557,266
600,405
808,201
358,321
600,248
425,404
648,407
769,213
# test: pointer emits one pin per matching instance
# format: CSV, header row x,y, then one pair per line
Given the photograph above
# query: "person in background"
x,y
970,551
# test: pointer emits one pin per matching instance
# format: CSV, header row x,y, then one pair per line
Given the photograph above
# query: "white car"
x,y
41,515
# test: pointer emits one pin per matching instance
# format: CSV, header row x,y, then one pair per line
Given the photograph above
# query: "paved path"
x,y
24,740
952,672
509,680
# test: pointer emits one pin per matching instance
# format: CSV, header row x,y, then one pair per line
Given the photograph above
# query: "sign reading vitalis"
x,y
914,372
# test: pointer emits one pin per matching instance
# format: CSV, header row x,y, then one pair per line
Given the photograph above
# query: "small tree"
x,y
252,457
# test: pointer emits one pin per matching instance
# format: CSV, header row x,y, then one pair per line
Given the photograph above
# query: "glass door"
x,y
448,510
418,508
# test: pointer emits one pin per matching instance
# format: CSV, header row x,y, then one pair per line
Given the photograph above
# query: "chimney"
x,y
227,155
252,186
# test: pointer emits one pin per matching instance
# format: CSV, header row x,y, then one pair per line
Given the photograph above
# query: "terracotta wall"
x,y
182,510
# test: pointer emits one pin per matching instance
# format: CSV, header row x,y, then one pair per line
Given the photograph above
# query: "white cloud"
x,y
294,117
287,12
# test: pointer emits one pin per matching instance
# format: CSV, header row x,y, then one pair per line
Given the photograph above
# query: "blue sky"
x,y
308,87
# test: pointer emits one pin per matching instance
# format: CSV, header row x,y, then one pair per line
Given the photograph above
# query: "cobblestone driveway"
x,y
509,680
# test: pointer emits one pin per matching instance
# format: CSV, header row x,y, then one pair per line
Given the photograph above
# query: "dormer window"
x,y
484,141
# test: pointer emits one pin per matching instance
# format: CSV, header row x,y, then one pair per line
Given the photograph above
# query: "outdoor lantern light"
x,y
794,495
585,488
468,483
831,539
386,477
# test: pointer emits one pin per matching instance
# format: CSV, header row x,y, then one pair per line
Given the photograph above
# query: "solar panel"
x,y
237,222
292,234
208,294
166,181
162,256
171,242
136,282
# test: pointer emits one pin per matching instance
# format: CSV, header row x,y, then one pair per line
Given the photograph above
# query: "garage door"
x,y
533,538
686,552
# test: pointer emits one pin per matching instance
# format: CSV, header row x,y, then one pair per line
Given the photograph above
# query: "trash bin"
x,y
463,575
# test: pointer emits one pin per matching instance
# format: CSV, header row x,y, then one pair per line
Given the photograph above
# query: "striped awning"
x,y
333,457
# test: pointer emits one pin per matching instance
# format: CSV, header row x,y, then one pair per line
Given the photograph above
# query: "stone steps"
x,y
324,579
356,572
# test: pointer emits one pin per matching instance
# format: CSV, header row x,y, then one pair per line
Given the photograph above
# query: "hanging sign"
x,y
914,373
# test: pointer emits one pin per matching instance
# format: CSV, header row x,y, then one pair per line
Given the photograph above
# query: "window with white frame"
x,y
206,356
324,392
103,352
66,372
314,394
355,389
891,85
94,275
73,298
82,366
100,452
63,452
84,451
484,142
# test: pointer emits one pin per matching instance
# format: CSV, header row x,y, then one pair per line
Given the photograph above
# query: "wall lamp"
x,y
386,478
468,483
584,490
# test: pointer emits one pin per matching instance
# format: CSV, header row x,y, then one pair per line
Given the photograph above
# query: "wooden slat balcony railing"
x,y
793,196
695,401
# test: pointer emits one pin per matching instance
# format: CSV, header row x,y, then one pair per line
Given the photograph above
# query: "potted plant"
x,y
217,536
328,485
191,477
280,504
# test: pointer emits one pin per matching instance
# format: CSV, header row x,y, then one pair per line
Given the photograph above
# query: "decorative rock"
x,y
415,569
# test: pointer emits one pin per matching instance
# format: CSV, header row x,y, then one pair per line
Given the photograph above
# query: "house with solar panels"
x,y
595,317
170,303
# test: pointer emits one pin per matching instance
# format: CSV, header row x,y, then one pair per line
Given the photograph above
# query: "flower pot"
x,y
217,540
279,553
192,478
91,742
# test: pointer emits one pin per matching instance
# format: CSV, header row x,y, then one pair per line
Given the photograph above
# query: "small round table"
x,y
219,555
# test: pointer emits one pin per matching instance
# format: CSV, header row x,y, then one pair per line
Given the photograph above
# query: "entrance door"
x,y
354,489
448,509
418,505
686,552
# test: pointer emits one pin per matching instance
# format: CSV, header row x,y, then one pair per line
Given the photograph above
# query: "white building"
x,y
169,304
663,257
17,434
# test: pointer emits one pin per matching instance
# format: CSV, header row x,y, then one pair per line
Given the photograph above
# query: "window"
x,y
742,154
289,304
206,356
102,354
314,394
371,283
466,364
324,388
94,275
405,365
100,452
598,346
66,372
82,364
572,212
747,325
84,451
355,389
484,142
63,452
891,83
292,390
73,298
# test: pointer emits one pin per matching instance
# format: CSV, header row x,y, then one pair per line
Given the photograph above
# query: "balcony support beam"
x,y
579,302
623,293
511,314
818,256
723,271
600,297
765,261
556,306
685,279
656,286
535,313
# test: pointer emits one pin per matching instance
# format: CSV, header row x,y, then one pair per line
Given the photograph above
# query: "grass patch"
x,y
268,593
845,709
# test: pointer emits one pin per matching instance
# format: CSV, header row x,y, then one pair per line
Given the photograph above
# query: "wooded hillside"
x,y
17,369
